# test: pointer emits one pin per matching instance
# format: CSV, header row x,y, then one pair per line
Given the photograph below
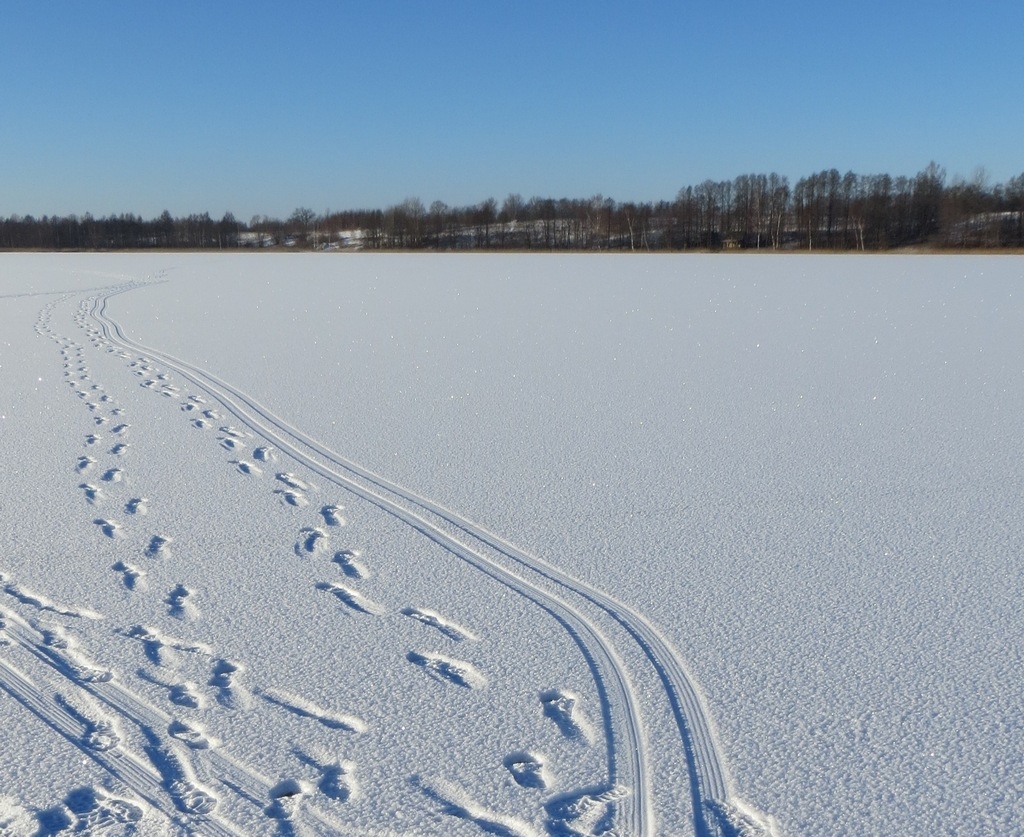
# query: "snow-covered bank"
x,y
796,478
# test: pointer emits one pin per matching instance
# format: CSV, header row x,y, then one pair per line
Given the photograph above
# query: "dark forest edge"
x,y
824,211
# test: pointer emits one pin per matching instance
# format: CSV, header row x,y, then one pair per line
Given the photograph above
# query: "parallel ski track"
x,y
709,784
627,759
123,764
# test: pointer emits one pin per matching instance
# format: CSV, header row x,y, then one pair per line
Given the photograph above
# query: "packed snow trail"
x,y
715,810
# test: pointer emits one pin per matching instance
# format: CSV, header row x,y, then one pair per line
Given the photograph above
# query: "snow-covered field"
x,y
515,545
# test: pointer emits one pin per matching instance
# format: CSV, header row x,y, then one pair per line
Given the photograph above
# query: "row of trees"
x,y
826,210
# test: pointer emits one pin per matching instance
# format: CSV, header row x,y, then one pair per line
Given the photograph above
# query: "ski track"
x,y
147,780
711,797
621,716
576,607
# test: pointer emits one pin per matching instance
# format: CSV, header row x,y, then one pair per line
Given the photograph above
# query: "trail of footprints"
x,y
334,779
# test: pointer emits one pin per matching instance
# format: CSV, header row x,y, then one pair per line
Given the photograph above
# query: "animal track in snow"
x,y
292,498
310,541
179,603
85,463
120,429
133,577
436,620
264,454
307,709
92,439
201,424
332,515
112,475
351,598
448,669
348,560
100,420
562,708
92,493
528,770
119,449
137,505
109,527
159,547
234,432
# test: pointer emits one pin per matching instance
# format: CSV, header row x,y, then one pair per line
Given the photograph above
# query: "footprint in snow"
x,y
108,527
180,604
337,778
137,505
92,493
332,515
563,708
351,598
528,770
292,498
159,547
291,481
457,672
285,799
436,620
132,577
348,560
307,709
194,737
97,811
230,694
310,541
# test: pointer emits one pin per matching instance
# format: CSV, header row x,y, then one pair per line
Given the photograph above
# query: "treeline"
x,y
823,211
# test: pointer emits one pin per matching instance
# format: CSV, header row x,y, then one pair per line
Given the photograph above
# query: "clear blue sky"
x,y
260,107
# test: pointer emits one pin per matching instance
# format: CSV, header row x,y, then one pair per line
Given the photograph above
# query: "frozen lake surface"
x,y
518,545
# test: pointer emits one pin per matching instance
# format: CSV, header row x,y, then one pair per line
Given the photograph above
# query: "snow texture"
x,y
516,545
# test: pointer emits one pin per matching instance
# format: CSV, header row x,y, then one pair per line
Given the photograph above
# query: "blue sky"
x,y
260,107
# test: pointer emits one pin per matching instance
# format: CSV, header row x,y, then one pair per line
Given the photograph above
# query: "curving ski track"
x,y
715,810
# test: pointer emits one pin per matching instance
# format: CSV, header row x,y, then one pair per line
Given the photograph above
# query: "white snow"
x,y
534,544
